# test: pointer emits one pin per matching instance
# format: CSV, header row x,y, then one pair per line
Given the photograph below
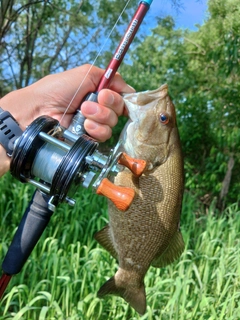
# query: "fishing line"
x,y
93,63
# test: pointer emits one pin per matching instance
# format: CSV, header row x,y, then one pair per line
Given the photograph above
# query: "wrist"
x,y
9,132
20,104
5,103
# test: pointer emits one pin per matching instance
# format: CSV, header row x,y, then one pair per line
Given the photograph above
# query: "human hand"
x,y
52,94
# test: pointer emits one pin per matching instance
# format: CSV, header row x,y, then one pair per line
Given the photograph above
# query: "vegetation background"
x,y
201,67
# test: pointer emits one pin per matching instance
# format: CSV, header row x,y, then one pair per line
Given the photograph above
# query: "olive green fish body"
x,y
148,232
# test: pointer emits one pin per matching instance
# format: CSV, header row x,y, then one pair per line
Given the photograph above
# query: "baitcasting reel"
x,y
57,162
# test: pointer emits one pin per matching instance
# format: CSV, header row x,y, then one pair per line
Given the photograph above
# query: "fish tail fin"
x,y
136,297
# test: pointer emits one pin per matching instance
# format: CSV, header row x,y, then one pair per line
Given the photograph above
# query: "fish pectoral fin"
x,y
173,252
103,237
136,297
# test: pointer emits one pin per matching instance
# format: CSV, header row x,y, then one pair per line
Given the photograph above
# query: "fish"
x,y
148,233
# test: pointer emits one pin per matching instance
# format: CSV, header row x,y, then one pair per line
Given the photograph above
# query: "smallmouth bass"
x,y
148,233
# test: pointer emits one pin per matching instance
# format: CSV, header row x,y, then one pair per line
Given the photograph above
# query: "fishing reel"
x,y
58,161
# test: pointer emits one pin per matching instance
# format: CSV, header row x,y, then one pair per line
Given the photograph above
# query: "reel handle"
x,y
31,227
136,166
121,197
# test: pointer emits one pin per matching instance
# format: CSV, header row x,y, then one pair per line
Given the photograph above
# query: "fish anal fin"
x,y
173,252
135,296
103,237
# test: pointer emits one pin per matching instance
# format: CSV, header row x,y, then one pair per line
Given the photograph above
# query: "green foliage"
x,y
202,70
42,37
67,267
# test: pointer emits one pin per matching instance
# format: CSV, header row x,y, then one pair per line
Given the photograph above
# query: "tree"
x,y
39,37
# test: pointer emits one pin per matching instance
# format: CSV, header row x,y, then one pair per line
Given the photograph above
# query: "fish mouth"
x,y
133,115
123,135
138,102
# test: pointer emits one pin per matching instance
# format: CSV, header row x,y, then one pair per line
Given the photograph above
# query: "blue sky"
x,y
192,12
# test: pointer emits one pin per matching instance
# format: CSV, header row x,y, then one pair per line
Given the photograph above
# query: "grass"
x,y
67,267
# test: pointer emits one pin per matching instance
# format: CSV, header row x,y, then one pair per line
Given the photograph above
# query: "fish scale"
x,y
148,232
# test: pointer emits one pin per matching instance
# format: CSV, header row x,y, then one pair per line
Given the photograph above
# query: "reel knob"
x,y
136,166
121,197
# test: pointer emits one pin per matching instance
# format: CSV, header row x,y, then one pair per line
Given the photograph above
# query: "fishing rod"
x,y
58,160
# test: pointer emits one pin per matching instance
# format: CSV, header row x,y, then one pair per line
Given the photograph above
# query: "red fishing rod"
x,y
124,44
36,144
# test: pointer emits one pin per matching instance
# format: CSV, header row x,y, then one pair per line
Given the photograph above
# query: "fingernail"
x,y
91,125
109,100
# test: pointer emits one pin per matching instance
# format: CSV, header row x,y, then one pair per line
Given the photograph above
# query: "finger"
x,y
97,131
99,113
119,85
112,100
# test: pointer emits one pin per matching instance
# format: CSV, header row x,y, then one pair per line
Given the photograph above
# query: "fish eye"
x,y
164,118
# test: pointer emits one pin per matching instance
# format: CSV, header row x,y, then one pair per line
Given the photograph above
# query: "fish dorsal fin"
x,y
147,97
173,252
136,297
103,237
